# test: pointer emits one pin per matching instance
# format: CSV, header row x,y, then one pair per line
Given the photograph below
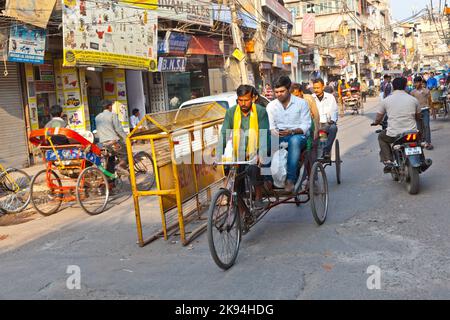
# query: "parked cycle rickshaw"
x,y
77,169
14,190
232,212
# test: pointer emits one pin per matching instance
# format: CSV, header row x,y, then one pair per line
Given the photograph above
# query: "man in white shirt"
x,y
328,113
134,119
289,120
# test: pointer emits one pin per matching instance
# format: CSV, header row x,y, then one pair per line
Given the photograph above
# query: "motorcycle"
x,y
409,160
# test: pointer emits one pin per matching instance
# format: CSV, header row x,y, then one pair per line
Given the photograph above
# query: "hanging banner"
x,y
110,33
308,28
4,44
26,44
35,12
190,11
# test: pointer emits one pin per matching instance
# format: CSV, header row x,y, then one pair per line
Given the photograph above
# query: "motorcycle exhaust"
x,y
425,165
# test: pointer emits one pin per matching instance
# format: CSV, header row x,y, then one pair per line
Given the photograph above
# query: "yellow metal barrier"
x,y
182,144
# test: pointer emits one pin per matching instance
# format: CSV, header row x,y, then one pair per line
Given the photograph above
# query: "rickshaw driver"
x,y
248,124
110,131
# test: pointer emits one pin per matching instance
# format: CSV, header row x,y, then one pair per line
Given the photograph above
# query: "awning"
x,y
204,45
222,13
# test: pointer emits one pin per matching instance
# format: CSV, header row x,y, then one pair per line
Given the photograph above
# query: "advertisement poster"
x,y
70,79
122,113
75,118
112,33
26,44
72,98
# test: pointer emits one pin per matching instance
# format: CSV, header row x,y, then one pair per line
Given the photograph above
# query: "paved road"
x,y
372,222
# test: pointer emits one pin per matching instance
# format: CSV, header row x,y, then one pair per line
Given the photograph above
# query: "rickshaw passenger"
x,y
290,120
57,122
248,124
328,111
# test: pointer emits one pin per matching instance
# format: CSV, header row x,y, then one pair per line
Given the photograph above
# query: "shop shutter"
x,y
13,138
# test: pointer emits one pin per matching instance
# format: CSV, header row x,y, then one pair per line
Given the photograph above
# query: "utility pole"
x,y
358,71
237,40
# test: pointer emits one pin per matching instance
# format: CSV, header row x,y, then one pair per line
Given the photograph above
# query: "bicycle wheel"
x,y
14,190
46,193
92,191
338,161
224,229
318,193
143,168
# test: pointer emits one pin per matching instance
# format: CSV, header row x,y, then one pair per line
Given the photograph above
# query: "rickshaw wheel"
x,y
318,193
143,168
11,199
92,191
337,156
46,196
224,229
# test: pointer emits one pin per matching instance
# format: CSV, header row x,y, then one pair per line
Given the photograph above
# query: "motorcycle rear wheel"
x,y
412,180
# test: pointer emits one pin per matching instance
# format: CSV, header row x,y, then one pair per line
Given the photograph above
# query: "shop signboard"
x,y
46,72
190,11
172,64
277,61
288,57
26,44
174,43
308,28
43,86
93,36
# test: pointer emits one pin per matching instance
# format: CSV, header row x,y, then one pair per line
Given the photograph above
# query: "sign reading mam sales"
x,y
191,11
92,34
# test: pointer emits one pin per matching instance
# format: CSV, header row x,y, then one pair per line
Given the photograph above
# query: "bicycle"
x,y
14,190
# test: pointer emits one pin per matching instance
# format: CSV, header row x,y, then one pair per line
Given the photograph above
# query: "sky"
x,y
402,9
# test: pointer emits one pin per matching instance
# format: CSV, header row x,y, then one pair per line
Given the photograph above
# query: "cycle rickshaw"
x,y
232,212
77,169
352,100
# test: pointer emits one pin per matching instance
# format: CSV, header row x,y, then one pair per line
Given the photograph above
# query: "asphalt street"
x,y
373,223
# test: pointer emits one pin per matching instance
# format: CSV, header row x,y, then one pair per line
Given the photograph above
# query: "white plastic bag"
x,y
228,153
278,167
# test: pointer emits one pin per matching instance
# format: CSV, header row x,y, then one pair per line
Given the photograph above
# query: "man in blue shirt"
x,y
432,82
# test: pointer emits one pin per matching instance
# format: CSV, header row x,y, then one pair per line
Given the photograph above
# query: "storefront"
x,y
203,58
14,146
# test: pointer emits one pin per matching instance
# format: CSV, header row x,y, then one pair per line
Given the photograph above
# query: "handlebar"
x,y
235,163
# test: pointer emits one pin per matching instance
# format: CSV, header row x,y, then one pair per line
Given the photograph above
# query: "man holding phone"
x,y
289,120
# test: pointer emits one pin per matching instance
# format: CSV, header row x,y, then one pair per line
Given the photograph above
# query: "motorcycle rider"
x,y
403,110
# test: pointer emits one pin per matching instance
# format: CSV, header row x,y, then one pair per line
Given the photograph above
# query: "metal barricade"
x,y
182,144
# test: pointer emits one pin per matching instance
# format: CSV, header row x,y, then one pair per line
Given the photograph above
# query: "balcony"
x,y
278,9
